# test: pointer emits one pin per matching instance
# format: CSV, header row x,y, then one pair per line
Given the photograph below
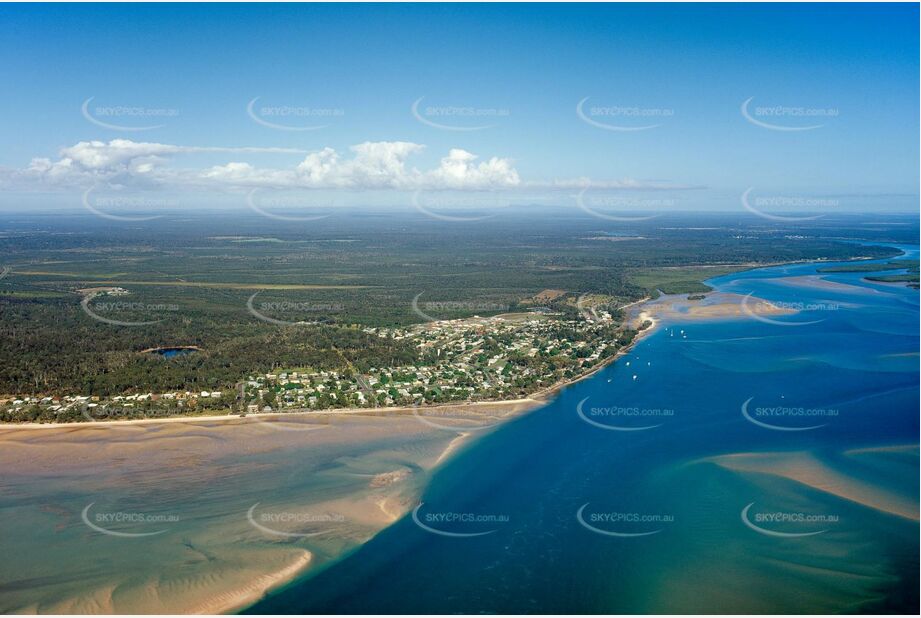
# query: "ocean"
x,y
761,463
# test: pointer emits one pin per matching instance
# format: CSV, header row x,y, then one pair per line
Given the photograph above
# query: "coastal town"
x,y
475,359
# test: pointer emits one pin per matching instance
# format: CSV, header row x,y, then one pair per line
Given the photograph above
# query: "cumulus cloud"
x,y
373,165
459,169
120,152
119,162
367,166
370,165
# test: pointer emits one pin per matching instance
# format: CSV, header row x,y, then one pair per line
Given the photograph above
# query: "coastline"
x,y
807,473
241,597
234,600
534,400
393,503
380,465
635,318
260,416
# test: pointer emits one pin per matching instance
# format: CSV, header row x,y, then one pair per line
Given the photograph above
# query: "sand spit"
x,y
804,467
226,602
713,306
817,282
453,445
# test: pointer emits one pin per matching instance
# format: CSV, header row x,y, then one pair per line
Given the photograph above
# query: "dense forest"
x,y
316,288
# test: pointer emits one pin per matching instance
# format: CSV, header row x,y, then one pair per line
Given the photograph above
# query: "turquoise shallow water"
x,y
173,352
555,513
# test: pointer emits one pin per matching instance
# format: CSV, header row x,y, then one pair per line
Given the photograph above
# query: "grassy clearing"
x,y
680,280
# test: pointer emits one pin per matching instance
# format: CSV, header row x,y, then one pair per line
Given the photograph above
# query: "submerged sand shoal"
x,y
368,467
255,502
809,470
714,305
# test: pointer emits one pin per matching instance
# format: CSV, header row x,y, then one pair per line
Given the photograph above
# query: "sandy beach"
x,y
501,407
369,467
644,311
373,490
315,486
713,306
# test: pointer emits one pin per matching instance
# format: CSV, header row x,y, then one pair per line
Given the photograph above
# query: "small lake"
x,y
173,352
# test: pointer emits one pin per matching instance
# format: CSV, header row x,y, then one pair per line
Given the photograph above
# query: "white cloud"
x,y
458,170
118,162
374,165
368,166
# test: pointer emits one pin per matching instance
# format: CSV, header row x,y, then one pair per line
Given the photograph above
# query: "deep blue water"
x,y
859,358
173,352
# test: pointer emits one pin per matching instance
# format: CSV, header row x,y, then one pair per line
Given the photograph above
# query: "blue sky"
x,y
358,69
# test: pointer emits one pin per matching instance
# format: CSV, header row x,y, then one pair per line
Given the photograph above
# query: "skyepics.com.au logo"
x,y
786,524
622,418
622,117
452,419
127,117
797,305
786,117
622,524
126,524
591,311
428,310
794,203
126,205
450,117
284,523
290,312
604,204
290,206
758,309
100,412
117,310
292,117
457,524
786,417
454,206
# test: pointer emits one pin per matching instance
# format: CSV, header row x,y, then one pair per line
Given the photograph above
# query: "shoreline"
x,y
249,581
170,347
536,399
539,398
241,598
638,316
259,416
